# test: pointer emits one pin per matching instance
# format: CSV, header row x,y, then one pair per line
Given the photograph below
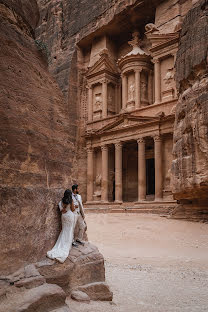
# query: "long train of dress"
x,y
64,242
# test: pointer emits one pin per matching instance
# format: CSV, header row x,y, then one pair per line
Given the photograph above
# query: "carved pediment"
x,y
103,65
127,121
158,40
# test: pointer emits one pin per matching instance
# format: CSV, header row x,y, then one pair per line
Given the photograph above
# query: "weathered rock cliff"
x,y
190,171
35,140
190,152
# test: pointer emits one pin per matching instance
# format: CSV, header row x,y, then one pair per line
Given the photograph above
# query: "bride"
x,y
64,242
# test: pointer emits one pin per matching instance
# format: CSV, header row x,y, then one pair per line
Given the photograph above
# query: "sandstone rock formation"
x,y
190,152
36,149
44,285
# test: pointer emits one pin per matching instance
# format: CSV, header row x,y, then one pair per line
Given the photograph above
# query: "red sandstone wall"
x,y
36,149
190,152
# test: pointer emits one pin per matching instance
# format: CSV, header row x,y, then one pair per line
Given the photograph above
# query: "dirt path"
x,y
153,264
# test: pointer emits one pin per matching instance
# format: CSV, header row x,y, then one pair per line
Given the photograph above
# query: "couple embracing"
x,y
72,213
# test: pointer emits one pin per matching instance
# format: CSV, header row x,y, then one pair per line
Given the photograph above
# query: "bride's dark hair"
x,y
67,199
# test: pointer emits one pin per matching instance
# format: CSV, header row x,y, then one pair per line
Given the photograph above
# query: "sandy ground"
x,y
153,264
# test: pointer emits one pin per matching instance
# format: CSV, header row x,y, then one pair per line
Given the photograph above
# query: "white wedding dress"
x,y
64,242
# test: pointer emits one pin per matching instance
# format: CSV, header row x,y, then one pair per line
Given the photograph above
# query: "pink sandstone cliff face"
x,y
35,141
190,152
62,25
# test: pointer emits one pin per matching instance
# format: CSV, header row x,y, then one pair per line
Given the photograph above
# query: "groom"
x,y
79,214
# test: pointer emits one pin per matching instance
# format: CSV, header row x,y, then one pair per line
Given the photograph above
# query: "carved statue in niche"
x,y
168,79
111,99
98,181
143,90
98,100
131,93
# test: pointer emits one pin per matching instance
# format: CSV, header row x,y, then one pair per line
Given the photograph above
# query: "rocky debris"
x,y
190,149
80,296
97,291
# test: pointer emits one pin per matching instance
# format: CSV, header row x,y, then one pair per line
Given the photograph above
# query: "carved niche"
x,y
97,101
167,79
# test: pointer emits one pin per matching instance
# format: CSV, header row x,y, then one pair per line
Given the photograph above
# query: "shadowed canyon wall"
x,y
35,143
190,152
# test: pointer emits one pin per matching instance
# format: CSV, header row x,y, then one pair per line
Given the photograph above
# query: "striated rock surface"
x,y
43,286
189,168
36,150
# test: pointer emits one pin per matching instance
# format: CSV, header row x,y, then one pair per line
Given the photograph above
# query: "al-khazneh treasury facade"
x,y
127,102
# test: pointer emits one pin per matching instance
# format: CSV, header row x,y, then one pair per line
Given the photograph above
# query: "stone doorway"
x,y
130,171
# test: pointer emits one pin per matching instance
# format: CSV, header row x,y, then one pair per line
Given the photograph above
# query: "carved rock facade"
x,y
122,80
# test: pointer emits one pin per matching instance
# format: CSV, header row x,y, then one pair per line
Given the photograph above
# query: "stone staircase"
x,y
159,207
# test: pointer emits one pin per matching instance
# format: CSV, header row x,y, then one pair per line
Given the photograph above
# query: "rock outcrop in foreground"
x,y
190,152
44,286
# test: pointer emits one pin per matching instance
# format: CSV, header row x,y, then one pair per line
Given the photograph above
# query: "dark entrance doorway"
x,y
130,171
150,174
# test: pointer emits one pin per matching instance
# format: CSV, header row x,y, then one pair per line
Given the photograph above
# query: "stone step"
x,y
43,298
155,208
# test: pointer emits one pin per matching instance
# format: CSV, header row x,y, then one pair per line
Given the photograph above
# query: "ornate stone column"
x,y
157,81
137,89
150,87
90,104
124,91
105,99
118,172
89,174
141,170
104,195
158,168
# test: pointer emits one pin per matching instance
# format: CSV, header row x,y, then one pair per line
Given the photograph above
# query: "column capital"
x,y
89,149
157,138
140,140
118,144
137,70
104,147
104,80
156,60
